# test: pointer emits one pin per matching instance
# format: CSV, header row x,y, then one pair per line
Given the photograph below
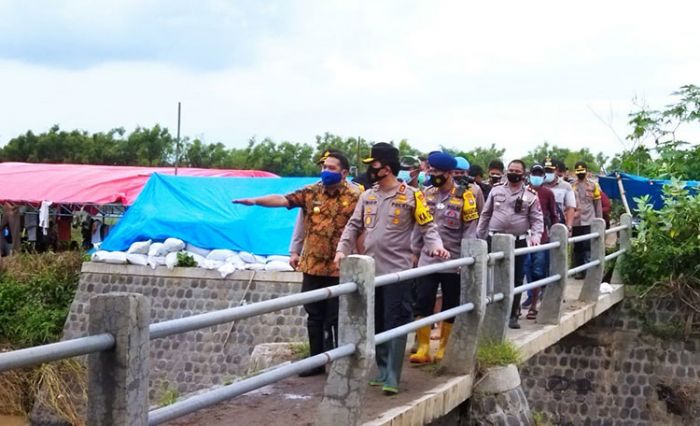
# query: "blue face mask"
x,y
421,178
404,175
330,178
536,180
549,177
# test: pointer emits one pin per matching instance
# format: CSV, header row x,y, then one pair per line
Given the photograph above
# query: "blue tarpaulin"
x,y
198,210
636,186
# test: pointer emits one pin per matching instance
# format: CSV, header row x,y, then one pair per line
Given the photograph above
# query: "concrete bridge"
x,y
120,335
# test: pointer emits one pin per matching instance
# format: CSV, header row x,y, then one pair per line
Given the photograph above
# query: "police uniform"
x,y
456,213
500,217
388,217
588,207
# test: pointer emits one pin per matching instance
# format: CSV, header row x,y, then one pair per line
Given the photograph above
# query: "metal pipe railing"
x,y
196,322
385,336
584,237
536,284
497,255
420,271
55,351
613,255
615,229
583,267
534,249
495,298
192,404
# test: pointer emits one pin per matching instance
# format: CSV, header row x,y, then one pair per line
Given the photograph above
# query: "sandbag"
x,y
220,254
212,264
275,258
114,257
194,249
171,260
226,269
139,247
199,259
255,267
278,266
260,259
137,259
247,257
157,250
174,244
154,261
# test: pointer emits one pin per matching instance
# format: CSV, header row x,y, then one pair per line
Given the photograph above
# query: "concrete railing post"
x,y
591,285
497,313
625,238
553,298
460,357
346,385
118,379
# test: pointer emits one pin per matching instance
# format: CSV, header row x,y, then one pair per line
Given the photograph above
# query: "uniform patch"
x,y
422,213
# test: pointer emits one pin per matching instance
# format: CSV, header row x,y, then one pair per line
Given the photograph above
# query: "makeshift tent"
x,y
198,210
636,186
89,184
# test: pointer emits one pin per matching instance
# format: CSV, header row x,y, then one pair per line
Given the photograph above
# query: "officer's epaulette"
x,y
498,184
531,189
402,188
460,190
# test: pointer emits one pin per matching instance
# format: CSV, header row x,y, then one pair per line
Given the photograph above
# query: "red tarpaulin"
x,y
88,184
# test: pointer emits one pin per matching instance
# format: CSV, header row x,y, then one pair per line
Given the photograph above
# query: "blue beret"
x,y
442,161
462,163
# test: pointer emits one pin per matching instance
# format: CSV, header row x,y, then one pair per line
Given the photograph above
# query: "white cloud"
x,y
436,73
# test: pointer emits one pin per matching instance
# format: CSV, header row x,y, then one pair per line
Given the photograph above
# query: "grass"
x,y
300,350
168,396
491,354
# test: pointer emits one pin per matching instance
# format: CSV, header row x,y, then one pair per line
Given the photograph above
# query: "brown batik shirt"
x,y
325,215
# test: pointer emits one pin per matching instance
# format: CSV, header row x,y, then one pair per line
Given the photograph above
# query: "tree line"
x,y
651,148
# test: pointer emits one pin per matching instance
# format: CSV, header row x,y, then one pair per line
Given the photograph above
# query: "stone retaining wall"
x,y
192,361
613,372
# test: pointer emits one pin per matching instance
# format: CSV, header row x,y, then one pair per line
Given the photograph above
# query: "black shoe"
x,y
313,372
579,276
513,323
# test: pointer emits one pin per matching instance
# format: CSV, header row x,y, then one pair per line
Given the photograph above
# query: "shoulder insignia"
x,y
421,213
402,188
531,189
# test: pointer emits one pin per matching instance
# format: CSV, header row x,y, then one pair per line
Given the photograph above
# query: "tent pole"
x,y
623,196
177,143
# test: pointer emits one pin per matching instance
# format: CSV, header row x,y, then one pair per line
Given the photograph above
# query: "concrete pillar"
x,y
118,379
591,285
460,355
553,298
497,314
625,239
498,399
346,385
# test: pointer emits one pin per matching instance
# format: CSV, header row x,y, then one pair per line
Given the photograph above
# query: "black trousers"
x,y
426,292
518,277
582,250
322,320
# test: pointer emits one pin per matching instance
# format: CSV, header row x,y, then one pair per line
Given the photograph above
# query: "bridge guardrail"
x,y
118,344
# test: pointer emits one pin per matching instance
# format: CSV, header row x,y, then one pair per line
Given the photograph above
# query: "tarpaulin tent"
x,y
636,186
198,210
89,184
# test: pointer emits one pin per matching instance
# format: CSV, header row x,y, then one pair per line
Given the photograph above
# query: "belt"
x,y
517,237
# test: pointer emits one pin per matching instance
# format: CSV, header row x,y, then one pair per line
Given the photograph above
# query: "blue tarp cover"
x,y
636,186
199,211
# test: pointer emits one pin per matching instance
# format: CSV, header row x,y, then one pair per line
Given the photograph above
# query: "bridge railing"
x,y
120,329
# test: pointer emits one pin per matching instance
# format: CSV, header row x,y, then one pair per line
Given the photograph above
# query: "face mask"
x,y
373,174
495,178
421,178
437,180
404,175
549,177
581,176
514,177
330,178
536,180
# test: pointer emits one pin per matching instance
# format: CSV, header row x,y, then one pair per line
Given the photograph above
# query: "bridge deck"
x,y
424,395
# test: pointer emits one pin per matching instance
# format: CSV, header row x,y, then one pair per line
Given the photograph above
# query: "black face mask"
x,y
514,177
437,180
373,174
495,179
581,176
464,180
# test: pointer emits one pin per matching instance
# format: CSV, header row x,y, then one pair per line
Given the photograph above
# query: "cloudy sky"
x,y
453,73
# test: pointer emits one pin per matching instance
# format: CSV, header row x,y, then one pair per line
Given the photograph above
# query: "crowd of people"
x,y
414,211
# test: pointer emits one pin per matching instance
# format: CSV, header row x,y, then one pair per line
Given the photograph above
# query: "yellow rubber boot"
x,y
422,356
444,335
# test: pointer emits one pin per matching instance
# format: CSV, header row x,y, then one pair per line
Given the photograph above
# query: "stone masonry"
x,y
612,371
196,360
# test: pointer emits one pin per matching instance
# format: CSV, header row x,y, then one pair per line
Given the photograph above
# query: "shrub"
x,y
490,354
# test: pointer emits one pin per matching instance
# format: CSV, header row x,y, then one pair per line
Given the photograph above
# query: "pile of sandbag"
x,y
153,254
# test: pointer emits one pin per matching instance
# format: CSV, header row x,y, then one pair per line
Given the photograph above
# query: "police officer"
x,y
388,213
327,206
455,209
513,208
588,207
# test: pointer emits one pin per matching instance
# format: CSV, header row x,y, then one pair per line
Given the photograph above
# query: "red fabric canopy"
x,y
88,184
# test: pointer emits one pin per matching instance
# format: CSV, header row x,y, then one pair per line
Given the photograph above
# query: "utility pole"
x,y
177,142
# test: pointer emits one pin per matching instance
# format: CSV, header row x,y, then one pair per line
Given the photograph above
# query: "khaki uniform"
x,y
499,215
456,214
588,202
388,219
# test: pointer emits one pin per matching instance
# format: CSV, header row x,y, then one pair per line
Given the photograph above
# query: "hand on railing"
x,y
441,252
338,256
534,240
294,260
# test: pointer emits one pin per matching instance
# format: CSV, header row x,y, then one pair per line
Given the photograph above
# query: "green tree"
x,y
480,156
537,155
